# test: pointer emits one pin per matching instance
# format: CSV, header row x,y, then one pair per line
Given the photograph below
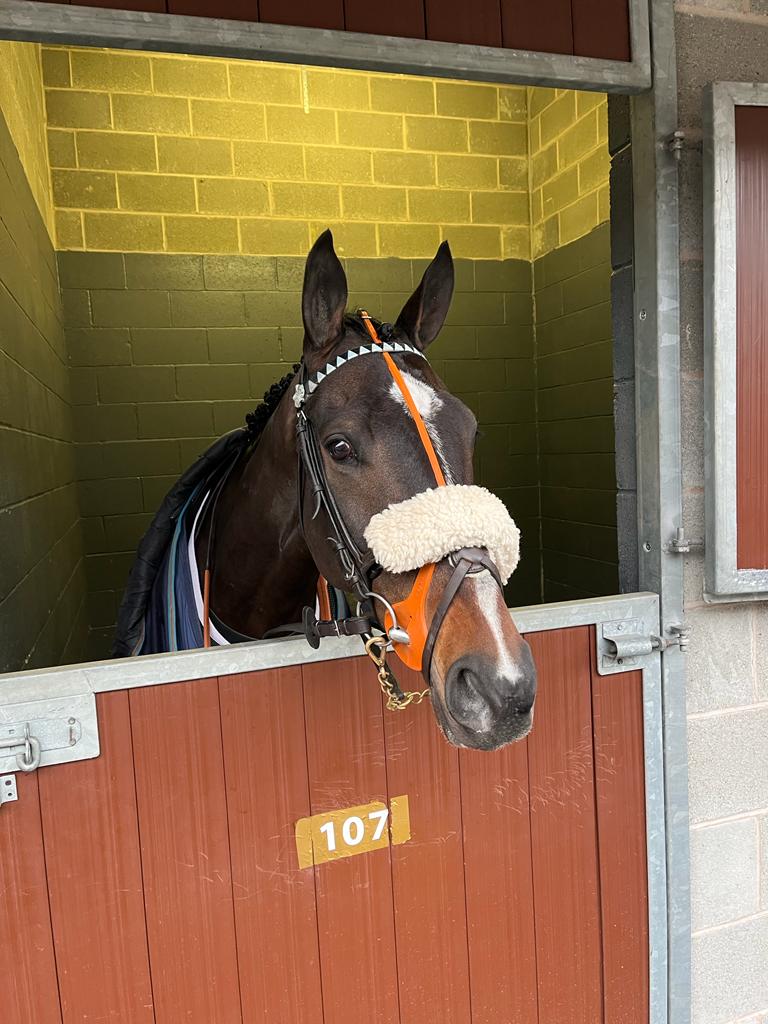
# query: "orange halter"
x,y
411,612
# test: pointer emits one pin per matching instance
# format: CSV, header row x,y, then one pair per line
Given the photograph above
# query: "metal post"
x,y
657,354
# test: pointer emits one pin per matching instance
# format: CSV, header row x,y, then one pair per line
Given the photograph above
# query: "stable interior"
x,y
155,214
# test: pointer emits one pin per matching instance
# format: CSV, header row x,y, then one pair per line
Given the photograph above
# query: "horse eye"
x,y
340,450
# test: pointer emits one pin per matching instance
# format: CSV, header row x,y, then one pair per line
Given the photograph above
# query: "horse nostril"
x,y
465,701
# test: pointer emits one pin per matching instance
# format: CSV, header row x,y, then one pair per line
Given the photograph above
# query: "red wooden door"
x,y
160,883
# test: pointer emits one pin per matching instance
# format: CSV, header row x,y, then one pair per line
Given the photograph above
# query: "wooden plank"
x,y
544,27
751,337
617,707
267,792
563,830
94,878
454,21
345,752
185,852
396,18
30,991
428,872
499,881
235,10
601,29
312,13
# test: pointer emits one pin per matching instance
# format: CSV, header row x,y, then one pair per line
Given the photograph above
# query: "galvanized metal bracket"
x,y
8,792
55,730
680,544
622,644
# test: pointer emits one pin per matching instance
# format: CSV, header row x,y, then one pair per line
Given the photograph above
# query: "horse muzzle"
x,y
484,708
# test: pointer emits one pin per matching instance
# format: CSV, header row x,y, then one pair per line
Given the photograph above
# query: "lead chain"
x,y
397,700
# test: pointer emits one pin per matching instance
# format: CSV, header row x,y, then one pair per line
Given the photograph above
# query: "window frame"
x,y
724,580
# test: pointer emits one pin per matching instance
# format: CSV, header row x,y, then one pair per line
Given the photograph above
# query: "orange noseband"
x,y
412,611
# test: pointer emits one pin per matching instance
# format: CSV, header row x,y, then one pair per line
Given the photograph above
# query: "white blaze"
x,y
428,403
487,590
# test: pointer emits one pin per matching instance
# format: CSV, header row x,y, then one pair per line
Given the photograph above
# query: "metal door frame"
x,y
657,374
136,30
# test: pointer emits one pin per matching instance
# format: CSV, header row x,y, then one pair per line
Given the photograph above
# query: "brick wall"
x,y
23,105
720,40
568,153
42,586
170,351
574,368
169,154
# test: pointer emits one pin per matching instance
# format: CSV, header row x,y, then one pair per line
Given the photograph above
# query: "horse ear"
x,y
324,298
424,313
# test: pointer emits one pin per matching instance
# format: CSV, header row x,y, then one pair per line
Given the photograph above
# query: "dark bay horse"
x,y
353,443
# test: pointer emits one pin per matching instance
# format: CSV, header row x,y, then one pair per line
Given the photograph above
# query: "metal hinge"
x,y
675,143
682,545
621,645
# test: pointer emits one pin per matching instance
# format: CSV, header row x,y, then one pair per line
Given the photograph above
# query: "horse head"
x,y
394,452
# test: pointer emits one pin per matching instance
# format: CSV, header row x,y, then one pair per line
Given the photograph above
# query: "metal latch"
x,y
53,730
622,644
19,741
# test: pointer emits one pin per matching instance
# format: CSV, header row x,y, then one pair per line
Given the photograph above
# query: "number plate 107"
x,y
353,830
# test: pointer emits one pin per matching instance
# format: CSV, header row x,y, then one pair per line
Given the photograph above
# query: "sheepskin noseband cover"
x,y
429,526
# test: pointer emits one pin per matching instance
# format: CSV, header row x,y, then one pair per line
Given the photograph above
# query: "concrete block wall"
x,y
728,660
571,248
22,102
567,136
574,393
173,154
42,585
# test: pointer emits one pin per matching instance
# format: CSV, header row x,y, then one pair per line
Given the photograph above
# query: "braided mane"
x,y
256,421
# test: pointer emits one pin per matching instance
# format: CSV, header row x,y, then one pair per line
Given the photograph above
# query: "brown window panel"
x,y
544,27
601,29
310,13
234,10
751,337
155,6
394,18
464,21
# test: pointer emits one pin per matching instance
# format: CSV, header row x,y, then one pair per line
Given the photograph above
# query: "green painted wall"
x,y
170,351
574,372
43,617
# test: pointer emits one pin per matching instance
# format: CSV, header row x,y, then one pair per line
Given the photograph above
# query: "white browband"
x,y
430,526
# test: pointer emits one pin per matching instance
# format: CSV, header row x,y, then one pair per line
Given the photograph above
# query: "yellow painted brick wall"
x,y
569,165
176,154
22,106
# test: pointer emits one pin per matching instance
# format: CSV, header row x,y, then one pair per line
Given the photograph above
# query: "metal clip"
x,y
28,759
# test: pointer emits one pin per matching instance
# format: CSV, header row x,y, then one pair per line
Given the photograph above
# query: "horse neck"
x,y
262,572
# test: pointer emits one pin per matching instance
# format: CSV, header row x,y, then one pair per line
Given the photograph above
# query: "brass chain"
x,y
376,649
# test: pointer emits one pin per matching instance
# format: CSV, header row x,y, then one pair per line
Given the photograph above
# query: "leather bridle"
x,y
404,625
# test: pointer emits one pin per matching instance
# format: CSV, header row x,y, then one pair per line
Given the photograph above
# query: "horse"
x,y
356,470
